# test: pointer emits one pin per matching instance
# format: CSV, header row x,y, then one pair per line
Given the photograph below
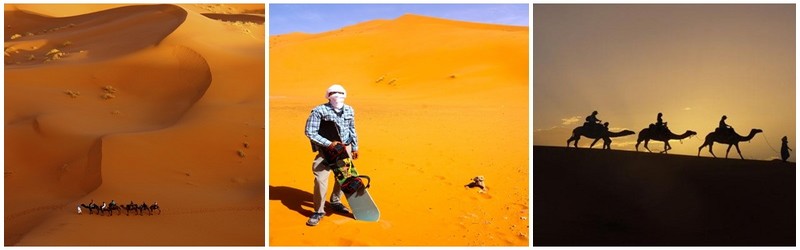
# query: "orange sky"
x,y
694,63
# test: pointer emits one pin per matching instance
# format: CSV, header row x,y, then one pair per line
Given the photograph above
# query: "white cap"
x,y
335,88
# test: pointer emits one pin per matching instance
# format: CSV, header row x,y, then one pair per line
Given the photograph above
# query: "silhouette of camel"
x,y
595,133
295,199
732,139
648,134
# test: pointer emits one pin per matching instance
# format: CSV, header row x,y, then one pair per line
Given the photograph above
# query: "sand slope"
x,y
156,118
600,197
437,102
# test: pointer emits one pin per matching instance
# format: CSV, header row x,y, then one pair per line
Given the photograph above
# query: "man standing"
x,y
343,116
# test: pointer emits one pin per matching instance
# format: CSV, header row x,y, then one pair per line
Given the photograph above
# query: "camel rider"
x,y
592,120
723,126
112,204
132,204
659,121
104,206
144,205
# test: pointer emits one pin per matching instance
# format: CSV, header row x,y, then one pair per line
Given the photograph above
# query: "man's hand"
x,y
333,144
355,155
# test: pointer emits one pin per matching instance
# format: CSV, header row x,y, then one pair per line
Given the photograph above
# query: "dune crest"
x,y
93,36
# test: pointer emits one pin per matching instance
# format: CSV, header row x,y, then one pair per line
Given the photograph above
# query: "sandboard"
x,y
344,171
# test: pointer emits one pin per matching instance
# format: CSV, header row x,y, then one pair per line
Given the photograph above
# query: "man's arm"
x,y
353,132
312,129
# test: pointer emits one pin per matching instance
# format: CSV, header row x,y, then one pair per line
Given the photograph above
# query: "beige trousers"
x,y
321,174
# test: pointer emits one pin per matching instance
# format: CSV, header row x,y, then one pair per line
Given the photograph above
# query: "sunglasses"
x,y
334,92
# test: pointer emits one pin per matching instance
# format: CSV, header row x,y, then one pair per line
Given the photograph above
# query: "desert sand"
x,y
437,102
138,103
594,197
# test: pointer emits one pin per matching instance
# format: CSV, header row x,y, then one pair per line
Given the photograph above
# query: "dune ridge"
x,y
623,198
437,102
117,118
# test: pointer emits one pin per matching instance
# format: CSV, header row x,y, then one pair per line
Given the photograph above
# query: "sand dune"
x,y
140,103
601,197
437,102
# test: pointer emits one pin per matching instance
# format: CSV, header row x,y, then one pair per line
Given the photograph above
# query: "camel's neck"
x,y
681,136
749,136
618,134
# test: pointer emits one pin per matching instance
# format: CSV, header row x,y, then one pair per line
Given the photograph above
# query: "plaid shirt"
x,y
344,121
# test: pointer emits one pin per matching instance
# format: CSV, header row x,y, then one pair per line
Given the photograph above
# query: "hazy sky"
x,y
694,63
316,18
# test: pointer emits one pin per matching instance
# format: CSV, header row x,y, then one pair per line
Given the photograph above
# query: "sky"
x,y
693,63
317,18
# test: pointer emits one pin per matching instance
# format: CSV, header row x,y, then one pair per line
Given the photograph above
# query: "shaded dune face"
x,y
58,112
98,35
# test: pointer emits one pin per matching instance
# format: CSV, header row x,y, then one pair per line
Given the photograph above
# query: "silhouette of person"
x,y
592,120
659,121
336,111
785,148
725,128
112,204
606,144
80,212
104,206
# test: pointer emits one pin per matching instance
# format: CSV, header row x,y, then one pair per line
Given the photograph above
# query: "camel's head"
x,y
691,133
627,132
756,131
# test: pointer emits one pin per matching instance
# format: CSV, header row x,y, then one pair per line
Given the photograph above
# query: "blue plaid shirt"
x,y
344,121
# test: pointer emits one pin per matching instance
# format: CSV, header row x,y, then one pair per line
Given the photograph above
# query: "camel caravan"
x,y
112,206
659,131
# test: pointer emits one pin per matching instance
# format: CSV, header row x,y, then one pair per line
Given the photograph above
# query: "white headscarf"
x,y
337,100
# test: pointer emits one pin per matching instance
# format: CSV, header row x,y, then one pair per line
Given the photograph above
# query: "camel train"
x,y
659,131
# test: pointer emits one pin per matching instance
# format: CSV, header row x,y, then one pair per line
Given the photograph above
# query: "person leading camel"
x,y
785,148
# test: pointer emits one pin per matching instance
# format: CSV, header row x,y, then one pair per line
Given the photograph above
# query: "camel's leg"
x,y
711,149
729,150
637,144
645,145
595,141
740,152
573,138
667,147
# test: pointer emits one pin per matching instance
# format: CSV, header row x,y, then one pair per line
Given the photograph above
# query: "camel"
x,y
131,207
110,209
597,134
154,207
648,134
143,207
732,139
91,207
